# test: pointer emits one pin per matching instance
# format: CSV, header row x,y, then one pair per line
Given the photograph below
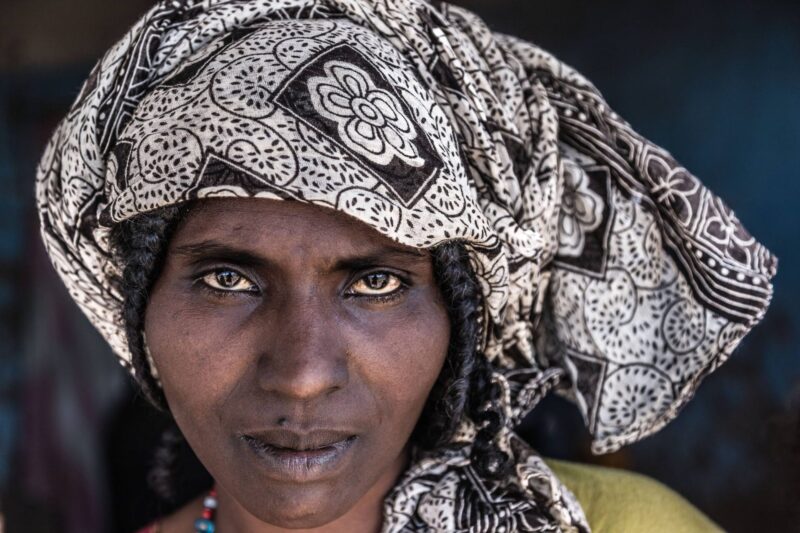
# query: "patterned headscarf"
x,y
608,271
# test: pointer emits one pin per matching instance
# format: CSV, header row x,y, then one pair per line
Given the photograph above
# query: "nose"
x,y
303,357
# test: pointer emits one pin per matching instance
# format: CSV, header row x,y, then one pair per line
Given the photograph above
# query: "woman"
x,y
469,227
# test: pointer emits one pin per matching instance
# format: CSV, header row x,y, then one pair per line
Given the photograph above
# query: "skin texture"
x,y
265,319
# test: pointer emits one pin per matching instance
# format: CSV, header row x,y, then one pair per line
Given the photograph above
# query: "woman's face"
x,y
296,347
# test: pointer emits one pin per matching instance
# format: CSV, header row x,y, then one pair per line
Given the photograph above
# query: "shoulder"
x,y
622,501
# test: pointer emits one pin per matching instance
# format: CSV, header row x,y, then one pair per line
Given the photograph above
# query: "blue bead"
x,y
201,525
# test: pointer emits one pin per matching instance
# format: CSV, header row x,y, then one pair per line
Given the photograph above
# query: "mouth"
x,y
296,457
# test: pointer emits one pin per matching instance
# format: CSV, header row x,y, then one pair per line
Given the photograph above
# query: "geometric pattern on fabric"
x,y
352,103
585,220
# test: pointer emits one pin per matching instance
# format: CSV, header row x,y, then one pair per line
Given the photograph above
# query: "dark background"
x,y
715,82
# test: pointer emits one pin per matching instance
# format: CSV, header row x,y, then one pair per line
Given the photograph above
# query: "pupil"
x,y
376,281
226,278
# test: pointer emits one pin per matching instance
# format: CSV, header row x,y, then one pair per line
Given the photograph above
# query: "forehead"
x,y
296,229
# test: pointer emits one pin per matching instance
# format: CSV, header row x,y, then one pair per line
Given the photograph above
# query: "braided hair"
x,y
464,387
140,244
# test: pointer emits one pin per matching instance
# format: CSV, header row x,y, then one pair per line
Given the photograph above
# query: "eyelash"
x,y
375,298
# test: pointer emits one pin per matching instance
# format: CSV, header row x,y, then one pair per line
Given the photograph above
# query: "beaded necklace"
x,y
205,524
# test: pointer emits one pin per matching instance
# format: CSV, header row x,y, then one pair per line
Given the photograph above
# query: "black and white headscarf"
x,y
607,269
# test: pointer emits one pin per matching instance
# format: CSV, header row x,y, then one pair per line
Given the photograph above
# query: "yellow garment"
x,y
618,501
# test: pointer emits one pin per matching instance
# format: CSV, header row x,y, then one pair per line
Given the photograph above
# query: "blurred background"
x,y
716,82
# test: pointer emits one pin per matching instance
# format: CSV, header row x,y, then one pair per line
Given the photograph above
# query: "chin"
x,y
310,521
299,507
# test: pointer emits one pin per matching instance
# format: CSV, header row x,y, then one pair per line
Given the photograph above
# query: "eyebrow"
x,y
205,249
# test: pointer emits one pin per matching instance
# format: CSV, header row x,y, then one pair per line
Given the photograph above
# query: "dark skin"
x,y
296,347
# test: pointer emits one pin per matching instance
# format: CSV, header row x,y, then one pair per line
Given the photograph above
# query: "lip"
x,y
300,457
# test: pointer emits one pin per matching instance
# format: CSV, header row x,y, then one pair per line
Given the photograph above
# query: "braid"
x,y
449,395
464,386
140,244
161,476
486,412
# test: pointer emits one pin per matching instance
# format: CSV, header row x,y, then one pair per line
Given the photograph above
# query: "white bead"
x,y
210,502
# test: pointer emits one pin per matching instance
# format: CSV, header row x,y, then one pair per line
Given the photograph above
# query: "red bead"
x,y
207,514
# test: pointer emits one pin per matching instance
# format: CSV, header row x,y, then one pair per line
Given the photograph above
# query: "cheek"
x,y
405,359
197,355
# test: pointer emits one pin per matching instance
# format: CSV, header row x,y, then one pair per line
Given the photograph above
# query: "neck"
x,y
366,516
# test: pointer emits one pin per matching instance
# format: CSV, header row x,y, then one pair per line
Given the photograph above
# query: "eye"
x,y
228,280
376,284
